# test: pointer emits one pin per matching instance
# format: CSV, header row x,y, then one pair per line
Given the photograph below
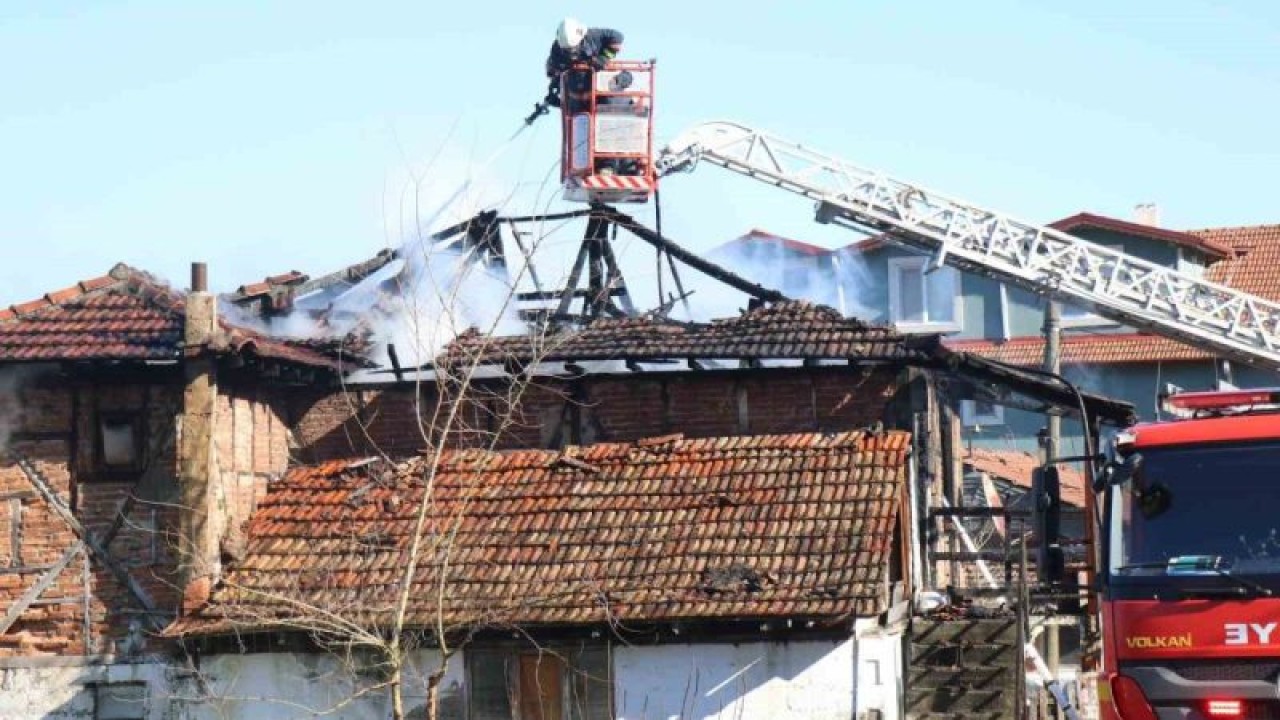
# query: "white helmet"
x,y
570,33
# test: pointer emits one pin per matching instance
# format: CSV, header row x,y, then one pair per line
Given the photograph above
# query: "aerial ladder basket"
x,y
607,120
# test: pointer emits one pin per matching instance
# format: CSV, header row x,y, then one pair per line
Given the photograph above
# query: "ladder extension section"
x,y
1119,287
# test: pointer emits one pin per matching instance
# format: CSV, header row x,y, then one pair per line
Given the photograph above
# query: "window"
x,y
923,301
980,412
119,442
1190,263
120,701
1073,316
547,684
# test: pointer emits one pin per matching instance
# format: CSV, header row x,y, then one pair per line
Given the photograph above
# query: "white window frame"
x,y
1188,266
970,417
896,265
1005,333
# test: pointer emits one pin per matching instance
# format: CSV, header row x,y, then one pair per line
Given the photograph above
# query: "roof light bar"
x,y
1222,400
1224,708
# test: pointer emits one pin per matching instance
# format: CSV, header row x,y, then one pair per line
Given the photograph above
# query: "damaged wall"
x,y
251,441
601,408
54,600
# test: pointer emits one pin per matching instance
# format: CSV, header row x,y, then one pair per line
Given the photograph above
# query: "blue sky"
x,y
265,137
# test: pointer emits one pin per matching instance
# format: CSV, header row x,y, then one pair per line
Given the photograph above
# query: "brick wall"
x,y
553,412
251,446
53,421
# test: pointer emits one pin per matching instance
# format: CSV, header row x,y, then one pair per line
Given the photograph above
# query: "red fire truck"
x,y
1191,562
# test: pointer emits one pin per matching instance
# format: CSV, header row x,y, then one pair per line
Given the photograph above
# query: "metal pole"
x,y
1052,445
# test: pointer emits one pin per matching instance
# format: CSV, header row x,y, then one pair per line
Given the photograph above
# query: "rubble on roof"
x,y
787,330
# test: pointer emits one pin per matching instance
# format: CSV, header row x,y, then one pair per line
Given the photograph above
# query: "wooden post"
x,y
952,477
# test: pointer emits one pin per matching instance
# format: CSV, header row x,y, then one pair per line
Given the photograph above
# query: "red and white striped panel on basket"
x,y
614,182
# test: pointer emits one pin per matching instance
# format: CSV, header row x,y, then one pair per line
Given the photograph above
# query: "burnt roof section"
x,y
785,330
665,529
788,330
126,315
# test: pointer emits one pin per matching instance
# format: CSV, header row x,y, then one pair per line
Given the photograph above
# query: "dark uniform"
x,y
596,49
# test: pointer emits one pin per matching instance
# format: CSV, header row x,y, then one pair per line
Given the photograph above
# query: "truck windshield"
x,y
1219,501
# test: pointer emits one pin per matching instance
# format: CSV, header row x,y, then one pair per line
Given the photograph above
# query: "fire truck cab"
x,y
607,120
1191,562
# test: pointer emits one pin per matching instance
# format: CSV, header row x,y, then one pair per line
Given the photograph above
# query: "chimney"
x,y
197,479
1147,214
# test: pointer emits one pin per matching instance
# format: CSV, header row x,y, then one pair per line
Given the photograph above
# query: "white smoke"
x,y
12,380
438,294
838,279
429,293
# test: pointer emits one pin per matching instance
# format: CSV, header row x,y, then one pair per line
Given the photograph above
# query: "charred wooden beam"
x,y
395,362
24,601
706,267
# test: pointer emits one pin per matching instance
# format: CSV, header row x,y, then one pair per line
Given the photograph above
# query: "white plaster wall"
x,y
297,685
749,681
880,670
61,693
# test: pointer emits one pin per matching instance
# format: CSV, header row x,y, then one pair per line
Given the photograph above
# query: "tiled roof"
x,y
284,281
1207,245
757,235
1015,467
124,315
735,528
791,329
1254,262
1198,240
1090,349
1253,254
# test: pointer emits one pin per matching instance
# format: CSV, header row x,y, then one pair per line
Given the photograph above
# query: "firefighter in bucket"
x,y
576,44
606,116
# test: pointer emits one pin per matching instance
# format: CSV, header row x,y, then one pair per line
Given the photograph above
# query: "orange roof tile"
x,y
1091,349
729,528
1254,262
1015,467
124,315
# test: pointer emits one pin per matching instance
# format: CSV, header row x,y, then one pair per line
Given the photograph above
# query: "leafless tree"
x,y
461,402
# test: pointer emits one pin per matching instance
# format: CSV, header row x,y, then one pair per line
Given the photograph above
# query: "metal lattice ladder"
x,y
1119,287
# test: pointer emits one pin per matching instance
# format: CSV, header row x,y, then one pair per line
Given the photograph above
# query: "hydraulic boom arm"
x,y
1128,290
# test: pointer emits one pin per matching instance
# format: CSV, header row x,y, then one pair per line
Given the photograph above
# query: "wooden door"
x,y
540,687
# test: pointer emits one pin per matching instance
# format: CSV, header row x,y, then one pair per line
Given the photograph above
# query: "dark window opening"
x,y
120,701
547,684
120,443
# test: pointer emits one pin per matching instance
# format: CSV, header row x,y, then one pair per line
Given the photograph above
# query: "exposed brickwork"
x,y
553,412
251,441
620,410
54,422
